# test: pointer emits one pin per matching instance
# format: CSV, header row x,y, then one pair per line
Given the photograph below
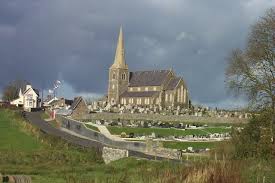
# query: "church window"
x,y
123,76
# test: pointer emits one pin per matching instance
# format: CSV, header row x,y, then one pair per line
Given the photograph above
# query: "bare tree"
x,y
11,91
252,71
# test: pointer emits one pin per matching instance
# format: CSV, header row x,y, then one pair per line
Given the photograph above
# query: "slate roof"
x,y
68,102
75,103
35,90
173,83
147,78
139,94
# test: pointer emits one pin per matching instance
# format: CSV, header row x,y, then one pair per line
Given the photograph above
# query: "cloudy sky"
x,y
74,41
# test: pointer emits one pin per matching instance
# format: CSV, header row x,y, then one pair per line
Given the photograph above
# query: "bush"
x,y
254,141
123,135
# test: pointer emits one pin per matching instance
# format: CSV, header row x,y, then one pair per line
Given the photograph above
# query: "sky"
x,y
74,41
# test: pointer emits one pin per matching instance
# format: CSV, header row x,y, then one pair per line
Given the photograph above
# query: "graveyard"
x,y
198,137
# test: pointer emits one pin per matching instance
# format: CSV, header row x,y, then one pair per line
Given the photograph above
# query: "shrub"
x,y
254,141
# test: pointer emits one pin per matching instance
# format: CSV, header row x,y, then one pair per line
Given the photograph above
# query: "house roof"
x,y
147,78
173,83
76,101
35,90
68,102
139,94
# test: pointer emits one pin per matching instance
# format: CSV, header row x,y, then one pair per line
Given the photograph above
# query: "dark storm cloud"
x,y
75,40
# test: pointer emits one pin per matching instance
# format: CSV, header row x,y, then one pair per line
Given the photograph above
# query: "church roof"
x,y
139,94
148,78
173,83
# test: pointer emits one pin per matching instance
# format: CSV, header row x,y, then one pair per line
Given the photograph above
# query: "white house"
x,y
29,99
19,101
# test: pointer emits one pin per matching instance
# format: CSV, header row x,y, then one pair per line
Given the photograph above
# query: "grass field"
x,y
166,132
13,137
24,150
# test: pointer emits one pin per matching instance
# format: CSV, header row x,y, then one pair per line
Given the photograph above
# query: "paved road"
x,y
35,119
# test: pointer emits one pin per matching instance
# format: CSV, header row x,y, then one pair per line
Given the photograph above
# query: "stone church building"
x,y
144,88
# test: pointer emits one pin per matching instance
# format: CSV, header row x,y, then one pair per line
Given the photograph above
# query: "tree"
x,y
252,71
11,90
254,140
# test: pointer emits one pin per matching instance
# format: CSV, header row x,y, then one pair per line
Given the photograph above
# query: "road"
x,y
35,119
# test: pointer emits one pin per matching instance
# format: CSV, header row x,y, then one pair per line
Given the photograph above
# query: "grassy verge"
x,y
52,122
13,134
166,132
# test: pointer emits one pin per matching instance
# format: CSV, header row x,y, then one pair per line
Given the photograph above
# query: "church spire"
x,y
119,61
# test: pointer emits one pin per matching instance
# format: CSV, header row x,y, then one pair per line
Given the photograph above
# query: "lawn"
x,y
166,132
12,135
25,150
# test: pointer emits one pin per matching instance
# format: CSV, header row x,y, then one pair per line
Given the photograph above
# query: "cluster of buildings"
x,y
148,92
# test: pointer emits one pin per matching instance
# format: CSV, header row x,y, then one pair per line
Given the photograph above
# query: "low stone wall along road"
x,y
35,119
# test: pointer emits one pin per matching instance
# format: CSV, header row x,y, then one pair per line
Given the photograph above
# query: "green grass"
x,y
12,136
166,132
185,145
24,150
44,115
92,127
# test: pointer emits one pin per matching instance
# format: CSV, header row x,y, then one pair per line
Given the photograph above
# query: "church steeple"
x,y
118,73
119,61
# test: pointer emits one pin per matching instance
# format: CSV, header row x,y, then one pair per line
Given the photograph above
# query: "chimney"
x,y
28,87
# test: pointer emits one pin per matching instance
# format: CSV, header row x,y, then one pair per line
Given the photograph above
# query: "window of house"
x,y
166,97
114,76
171,97
155,88
146,88
113,86
131,89
138,88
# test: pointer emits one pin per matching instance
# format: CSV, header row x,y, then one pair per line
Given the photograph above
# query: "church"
x,y
144,88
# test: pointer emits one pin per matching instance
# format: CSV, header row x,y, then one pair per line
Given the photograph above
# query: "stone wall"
x,y
163,118
112,154
81,129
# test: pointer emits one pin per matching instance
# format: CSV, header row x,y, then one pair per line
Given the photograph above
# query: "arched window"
x,y
123,76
